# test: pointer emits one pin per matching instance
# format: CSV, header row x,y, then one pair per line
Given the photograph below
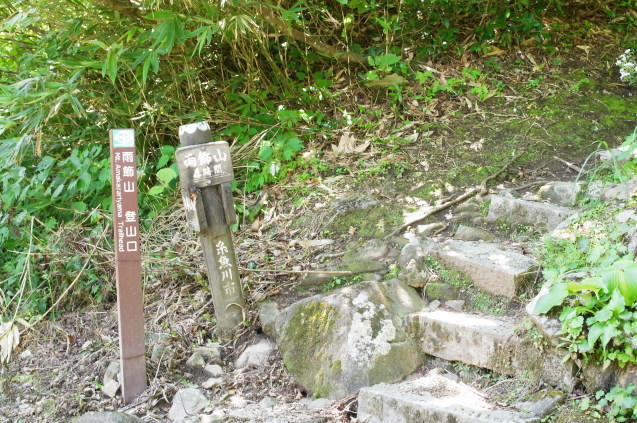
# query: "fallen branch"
x,y
481,189
319,272
571,165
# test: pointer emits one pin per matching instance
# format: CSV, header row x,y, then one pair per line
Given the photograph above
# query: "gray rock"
x,y
268,312
490,268
256,355
430,228
543,404
432,398
110,388
373,249
214,370
111,372
110,382
217,416
441,291
527,213
417,250
471,339
213,382
186,403
468,207
561,193
619,154
433,305
157,352
624,191
209,351
268,402
108,417
344,205
413,276
468,233
492,343
333,344
157,344
196,360
457,305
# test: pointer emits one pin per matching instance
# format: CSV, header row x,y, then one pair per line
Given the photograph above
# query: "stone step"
x,y
514,211
433,398
490,268
494,343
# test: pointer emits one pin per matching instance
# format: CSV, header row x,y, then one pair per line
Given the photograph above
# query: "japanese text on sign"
x,y
125,218
205,164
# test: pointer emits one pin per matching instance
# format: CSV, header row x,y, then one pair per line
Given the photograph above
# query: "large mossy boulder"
x,y
338,342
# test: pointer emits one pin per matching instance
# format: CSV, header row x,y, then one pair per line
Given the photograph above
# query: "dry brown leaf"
x,y
347,145
9,340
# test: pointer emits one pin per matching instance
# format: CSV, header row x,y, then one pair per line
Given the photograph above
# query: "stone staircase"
x,y
494,342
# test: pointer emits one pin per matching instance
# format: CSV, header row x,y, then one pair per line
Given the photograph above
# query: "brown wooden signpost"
x,y
205,172
128,269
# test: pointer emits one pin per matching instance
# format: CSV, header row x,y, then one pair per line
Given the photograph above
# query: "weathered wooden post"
x,y
205,172
128,268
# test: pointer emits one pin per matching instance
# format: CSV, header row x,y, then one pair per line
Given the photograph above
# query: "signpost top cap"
x,y
123,138
191,128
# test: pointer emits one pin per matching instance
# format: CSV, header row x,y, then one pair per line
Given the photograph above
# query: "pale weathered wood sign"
x,y
205,172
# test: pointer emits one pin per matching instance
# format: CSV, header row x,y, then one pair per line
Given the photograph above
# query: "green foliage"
x,y
597,311
618,405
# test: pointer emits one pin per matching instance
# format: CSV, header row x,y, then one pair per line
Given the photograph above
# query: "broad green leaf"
x,y
595,332
555,296
603,315
167,150
79,206
609,333
611,278
156,190
166,175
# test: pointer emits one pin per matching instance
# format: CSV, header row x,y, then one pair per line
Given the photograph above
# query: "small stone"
x,y
196,360
268,312
415,250
433,305
214,370
413,276
268,402
547,402
187,402
209,351
561,193
468,207
213,382
441,291
468,233
111,373
457,305
374,249
256,355
426,230
157,352
108,417
110,388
